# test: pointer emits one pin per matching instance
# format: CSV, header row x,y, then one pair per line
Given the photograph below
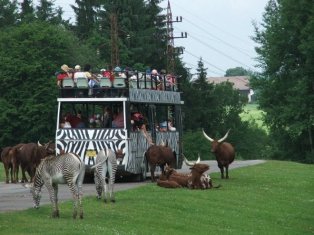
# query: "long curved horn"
x,y
223,138
207,137
39,144
199,159
188,163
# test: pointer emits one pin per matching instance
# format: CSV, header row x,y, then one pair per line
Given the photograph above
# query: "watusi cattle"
x,y
168,184
157,155
29,156
223,151
205,178
181,179
197,172
11,163
7,164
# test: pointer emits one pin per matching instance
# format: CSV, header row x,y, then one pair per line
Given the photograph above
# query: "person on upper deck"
x,y
65,73
78,73
156,79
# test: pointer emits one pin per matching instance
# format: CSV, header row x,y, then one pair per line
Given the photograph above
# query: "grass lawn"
x,y
271,198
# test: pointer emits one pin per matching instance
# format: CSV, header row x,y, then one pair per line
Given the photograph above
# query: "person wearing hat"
x,y
78,73
157,79
65,73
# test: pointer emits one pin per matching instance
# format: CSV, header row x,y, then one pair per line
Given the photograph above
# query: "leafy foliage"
x,y
286,84
29,55
238,71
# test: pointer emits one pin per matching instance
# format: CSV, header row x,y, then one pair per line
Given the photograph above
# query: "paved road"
x,y
15,197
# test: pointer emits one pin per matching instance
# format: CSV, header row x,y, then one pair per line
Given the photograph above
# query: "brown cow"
x,y
30,155
157,155
7,164
168,184
10,162
197,173
223,151
196,179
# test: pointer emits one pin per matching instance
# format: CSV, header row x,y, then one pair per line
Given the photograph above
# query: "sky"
x,y
218,31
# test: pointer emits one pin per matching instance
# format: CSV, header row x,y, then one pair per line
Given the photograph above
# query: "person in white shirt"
x,y
78,73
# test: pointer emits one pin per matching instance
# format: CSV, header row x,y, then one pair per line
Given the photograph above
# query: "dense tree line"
x,y
286,84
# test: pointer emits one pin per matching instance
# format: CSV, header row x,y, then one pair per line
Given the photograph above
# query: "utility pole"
x,y
171,50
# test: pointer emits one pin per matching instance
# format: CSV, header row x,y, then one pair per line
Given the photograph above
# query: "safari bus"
x,y
108,117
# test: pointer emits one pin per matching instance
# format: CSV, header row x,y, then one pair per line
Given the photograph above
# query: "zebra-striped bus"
x,y
86,121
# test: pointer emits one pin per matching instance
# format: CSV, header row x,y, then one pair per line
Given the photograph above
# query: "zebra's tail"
x,y
100,163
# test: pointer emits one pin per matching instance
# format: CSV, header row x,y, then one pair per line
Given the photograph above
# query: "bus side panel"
x,y
138,145
79,141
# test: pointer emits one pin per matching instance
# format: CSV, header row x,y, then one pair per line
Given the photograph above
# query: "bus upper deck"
x,y
119,86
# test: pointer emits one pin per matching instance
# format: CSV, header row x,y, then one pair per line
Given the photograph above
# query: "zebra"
x,y
106,164
67,169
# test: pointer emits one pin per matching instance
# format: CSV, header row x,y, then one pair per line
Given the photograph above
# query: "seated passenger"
x,y
75,121
65,73
64,123
118,120
78,73
170,126
163,126
137,120
107,118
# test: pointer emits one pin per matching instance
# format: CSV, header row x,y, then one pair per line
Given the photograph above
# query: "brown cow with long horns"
x,y
223,151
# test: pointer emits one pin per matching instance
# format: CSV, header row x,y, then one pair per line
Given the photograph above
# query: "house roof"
x,y
239,82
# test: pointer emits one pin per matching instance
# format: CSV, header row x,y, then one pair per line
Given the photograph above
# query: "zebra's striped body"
x,y
106,164
62,169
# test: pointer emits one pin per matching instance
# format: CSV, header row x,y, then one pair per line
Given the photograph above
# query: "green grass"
x,y
271,198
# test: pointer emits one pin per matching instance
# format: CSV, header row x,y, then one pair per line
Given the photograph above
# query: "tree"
x,y
238,71
29,56
86,17
285,86
209,106
27,11
45,12
8,13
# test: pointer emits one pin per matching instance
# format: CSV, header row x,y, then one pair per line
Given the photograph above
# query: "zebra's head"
x,y
36,193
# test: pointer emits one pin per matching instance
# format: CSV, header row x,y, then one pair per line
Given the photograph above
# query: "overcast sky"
x,y
219,31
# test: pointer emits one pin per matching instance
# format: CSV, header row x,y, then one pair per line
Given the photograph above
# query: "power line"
x,y
224,42
209,23
222,53
206,63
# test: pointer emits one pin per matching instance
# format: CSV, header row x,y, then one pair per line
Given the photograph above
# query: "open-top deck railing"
x,y
121,86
